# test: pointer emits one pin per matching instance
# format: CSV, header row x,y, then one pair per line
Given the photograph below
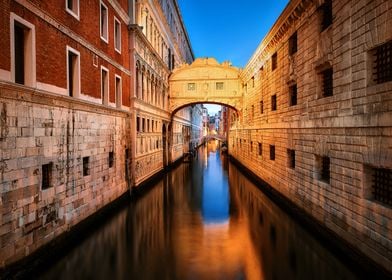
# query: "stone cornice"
x,y
291,14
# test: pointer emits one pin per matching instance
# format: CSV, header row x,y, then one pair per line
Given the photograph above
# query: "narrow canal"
x,y
203,220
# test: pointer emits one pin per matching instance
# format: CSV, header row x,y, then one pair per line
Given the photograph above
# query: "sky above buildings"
x,y
228,29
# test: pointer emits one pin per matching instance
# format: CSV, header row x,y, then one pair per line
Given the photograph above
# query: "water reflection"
x,y
204,220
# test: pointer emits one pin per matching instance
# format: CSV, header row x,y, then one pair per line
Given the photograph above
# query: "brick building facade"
x,y
316,122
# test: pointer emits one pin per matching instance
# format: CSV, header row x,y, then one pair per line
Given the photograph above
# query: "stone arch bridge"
x,y
205,81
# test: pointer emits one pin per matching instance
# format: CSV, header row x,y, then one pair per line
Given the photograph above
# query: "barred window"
x,y
382,63
326,14
273,102
382,185
191,86
272,152
293,95
274,62
293,43
219,86
327,82
291,158
47,176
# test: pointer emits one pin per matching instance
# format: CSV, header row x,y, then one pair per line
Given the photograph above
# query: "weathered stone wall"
x,y
40,128
353,127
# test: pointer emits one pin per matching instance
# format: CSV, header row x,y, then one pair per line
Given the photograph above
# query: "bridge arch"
x,y
205,81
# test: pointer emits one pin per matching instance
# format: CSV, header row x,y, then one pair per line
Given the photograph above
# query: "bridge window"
x,y
219,86
382,63
274,61
327,82
293,43
273,102
191,86
261,107
291,158
272,152
293,95
260,149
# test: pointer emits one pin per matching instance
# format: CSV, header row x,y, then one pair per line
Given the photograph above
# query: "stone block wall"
x,y
39,129
352,128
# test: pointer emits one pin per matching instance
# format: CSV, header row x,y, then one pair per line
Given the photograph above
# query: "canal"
x,y
203,220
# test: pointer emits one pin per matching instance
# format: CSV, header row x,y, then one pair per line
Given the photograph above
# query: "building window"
x,y
117,35
381,182
323,168
291,158
47,176
143,125
148,125
274,62
111,159
382,63
293,95
219,86
104,85
73,72
326,14
72,7
260,149
261,107
23,67
104,22
327,82
253,82
251,146
86,166
118,91
138,124
191,86
272,152
293,43
273,102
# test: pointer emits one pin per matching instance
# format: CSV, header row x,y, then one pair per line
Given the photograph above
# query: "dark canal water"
x,y
204,220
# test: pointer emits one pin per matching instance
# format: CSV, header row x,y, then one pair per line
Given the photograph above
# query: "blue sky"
x,y
228,29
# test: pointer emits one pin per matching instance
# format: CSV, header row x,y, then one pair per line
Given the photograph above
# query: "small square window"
x,y
219,86
72,7
272,152
380,181
86,166
327,82
293,43
382,63
104,22
111,159
274,61
47,176
273,102
191,86
293,95
291,158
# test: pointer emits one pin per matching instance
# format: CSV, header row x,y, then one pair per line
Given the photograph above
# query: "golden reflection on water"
x,y
165,235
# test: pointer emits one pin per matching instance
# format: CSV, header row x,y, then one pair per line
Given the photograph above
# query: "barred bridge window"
x,y
382,66
382,185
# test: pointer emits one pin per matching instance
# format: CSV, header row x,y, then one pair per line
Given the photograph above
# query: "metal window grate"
x,y
291,158
272,152
325,169
293,44
382,67
327,82
326,14
382,185
47,175
274,59
293,95
86,169
273,102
